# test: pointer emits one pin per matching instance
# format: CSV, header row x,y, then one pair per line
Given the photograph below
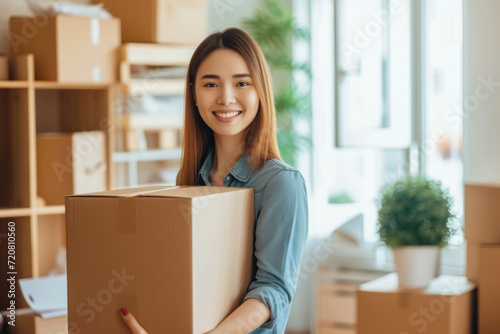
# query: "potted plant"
x,y
414,219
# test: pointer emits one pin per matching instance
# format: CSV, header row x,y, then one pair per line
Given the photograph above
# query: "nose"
x,y
226,96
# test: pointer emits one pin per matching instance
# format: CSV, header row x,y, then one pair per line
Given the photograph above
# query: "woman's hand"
x,y
132,324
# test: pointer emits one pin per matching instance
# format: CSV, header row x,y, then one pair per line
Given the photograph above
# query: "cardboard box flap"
x,y
189,191
128,192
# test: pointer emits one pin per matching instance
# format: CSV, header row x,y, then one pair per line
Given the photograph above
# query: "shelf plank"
x,y
13,84
14,212
150,155
157,54
152,122
72,85
154,86
50,210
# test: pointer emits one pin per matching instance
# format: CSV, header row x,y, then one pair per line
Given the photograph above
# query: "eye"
x,y
210,85
242,84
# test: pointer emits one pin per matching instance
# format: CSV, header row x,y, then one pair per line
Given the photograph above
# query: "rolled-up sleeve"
x,y
280,234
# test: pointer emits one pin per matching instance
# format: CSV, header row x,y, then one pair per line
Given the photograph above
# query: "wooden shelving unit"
x,y
156,55
27,108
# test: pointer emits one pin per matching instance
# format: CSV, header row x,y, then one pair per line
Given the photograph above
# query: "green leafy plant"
x,y
274,28
415,211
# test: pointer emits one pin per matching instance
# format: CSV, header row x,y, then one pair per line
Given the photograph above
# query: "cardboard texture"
x,y
68,48
444,307
70,163
160,21
482,213
489,289
179,258
4,67
29,322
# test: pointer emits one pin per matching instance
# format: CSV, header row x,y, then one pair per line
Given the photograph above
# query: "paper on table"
x,y
46,295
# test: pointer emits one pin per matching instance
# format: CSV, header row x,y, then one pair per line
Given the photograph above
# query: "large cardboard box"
x,y
160,21
70,163
4,67
482,213
489,289
444,307
178,258
30,322
68,48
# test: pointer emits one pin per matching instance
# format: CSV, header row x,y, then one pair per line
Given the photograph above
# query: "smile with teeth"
x,y
227,114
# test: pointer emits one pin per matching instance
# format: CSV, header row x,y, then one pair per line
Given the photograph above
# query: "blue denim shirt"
x,y
281,226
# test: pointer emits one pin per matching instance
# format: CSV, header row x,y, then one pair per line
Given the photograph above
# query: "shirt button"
x,y
228,177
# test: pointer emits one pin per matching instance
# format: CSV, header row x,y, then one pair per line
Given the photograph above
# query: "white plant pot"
x,y
416,265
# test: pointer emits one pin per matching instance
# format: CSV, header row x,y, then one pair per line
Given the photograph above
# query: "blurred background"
x,y
366,91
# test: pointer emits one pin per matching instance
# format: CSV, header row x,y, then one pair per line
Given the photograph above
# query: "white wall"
x,y
481,99
223,14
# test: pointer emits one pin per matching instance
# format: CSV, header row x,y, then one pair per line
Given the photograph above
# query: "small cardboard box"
x,y
444,307
68,48
70,163
179,258
482,213
160,21
4,67
489,289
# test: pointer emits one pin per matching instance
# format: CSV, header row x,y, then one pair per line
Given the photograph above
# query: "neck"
x,y
227,152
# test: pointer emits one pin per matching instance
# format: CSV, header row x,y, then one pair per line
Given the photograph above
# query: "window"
x,y
407,75
373,73
442,125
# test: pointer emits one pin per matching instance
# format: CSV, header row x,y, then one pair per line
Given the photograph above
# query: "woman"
x,y
229,140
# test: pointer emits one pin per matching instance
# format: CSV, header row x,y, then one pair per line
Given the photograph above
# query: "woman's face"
x,y
225,93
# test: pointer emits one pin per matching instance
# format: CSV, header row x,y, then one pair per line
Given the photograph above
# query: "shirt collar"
x,y
240,171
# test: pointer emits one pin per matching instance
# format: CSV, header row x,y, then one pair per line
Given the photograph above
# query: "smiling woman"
x,y
227,102
229,139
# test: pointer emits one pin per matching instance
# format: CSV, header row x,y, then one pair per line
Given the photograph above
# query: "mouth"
x,y
227,114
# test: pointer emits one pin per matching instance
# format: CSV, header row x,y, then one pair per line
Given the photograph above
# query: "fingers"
x,y
132,324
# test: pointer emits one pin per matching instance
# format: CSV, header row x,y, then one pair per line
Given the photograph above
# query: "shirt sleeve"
x,y
280,235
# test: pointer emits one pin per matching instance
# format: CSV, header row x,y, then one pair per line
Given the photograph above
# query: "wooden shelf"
x,y
14,212
156,54
13,84
29,107
149,155
72,85
154,86
50,210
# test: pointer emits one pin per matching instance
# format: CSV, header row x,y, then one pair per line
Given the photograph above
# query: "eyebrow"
x,y
215,76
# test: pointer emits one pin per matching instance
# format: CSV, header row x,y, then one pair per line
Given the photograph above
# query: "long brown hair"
x,y
198,138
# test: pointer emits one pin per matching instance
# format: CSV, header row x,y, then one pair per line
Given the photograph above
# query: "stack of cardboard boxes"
x,y
449,304
482,234
68,48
